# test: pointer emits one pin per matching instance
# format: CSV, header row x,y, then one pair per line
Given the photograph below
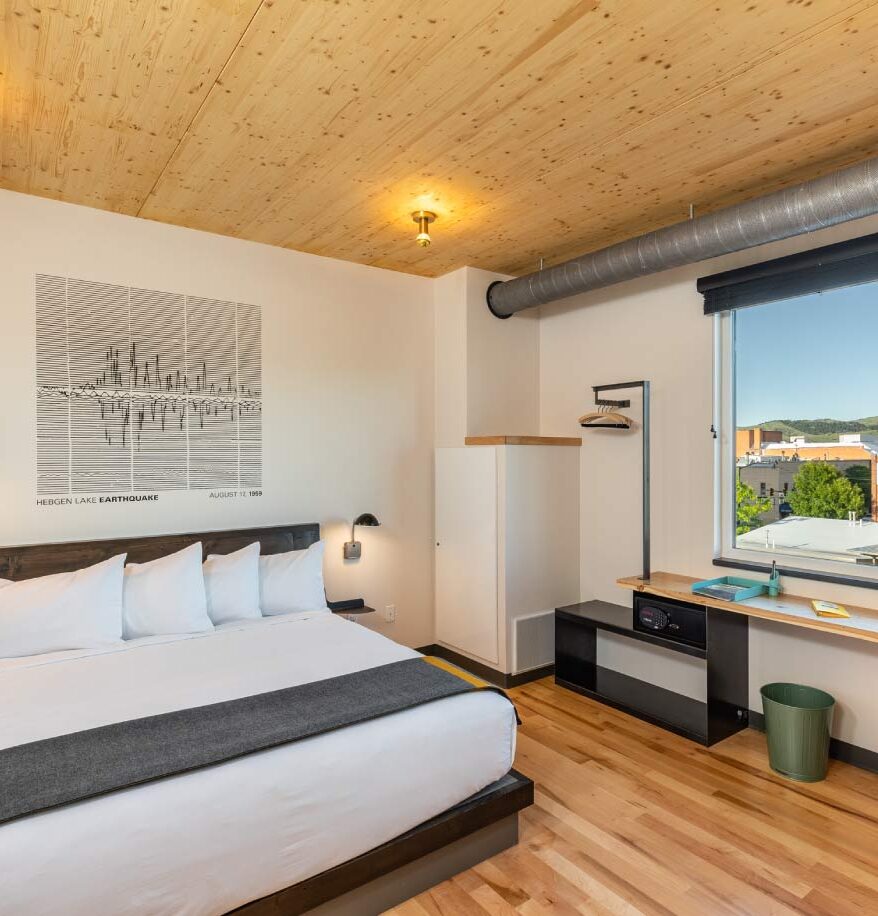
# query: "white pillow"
x,y
232,584
73,610
165,596
291,582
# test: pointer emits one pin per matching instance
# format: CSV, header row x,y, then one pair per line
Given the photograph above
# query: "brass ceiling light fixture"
x,y
423,218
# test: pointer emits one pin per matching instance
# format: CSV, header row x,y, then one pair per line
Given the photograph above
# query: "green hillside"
x,y
823,429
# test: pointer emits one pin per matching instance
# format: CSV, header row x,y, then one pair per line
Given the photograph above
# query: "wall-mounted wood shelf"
x,y
523,440
792,609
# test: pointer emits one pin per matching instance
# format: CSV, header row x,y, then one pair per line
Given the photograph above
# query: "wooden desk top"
x,y
792,609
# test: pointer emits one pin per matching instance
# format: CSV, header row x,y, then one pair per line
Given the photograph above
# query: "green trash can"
x,y
797,724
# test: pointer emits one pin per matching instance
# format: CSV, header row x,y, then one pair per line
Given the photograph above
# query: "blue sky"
x,y
815,356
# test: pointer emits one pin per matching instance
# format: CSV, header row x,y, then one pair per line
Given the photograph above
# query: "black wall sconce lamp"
x,y
353,549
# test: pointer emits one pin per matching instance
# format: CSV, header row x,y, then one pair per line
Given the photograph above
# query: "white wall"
x,y
654,328
348,394
487,370
450,314
503,365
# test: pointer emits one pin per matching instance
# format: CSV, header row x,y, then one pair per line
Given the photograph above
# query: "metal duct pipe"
x,y
848,194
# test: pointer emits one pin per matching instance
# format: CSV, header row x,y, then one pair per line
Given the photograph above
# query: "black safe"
x,y
678,622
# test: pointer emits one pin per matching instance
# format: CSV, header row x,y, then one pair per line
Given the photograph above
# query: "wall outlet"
x,y
390,613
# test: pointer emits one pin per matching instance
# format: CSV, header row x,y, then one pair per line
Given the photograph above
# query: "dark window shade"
x,y
834,266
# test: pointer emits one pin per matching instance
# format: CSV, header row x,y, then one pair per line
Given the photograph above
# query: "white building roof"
x,y
829,537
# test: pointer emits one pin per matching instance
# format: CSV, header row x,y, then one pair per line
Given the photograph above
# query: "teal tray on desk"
x,y
746,588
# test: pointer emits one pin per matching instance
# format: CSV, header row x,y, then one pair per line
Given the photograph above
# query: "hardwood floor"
x,y
631,819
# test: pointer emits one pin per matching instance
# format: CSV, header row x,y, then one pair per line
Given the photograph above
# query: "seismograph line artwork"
x,y
140,390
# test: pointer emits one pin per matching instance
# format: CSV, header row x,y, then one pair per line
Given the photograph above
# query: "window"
x,y
797,461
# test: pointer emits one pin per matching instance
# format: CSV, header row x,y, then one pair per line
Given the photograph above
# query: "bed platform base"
x,y
451,842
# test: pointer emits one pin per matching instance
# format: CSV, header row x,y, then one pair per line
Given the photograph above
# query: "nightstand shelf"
x,y
351,607
354,611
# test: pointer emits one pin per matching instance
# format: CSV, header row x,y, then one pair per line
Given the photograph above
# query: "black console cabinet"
x,y
724,651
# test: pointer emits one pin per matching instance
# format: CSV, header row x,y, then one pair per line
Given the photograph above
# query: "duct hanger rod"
x,y
851,193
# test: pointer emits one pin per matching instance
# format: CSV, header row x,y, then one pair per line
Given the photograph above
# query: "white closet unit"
x,y
507,547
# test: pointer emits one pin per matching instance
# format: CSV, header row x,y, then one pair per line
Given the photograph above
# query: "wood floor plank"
x,y
631,820
548,890
452,900
491,901
496,879
610,851
410,908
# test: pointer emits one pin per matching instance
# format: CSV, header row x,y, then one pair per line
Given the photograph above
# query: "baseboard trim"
x,y
860,757
492,675
525,677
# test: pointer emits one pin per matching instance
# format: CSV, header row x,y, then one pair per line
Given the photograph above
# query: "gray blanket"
x,y
57,771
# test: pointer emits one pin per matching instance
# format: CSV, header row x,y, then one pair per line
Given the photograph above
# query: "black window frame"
x,y
849,263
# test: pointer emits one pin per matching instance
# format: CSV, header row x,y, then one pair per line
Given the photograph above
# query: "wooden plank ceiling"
x,y
534,129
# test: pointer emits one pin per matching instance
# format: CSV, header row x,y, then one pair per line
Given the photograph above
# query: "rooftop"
x,y
828,537
866,444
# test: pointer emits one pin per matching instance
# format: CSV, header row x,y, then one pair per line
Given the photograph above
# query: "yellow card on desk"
x,y
829,609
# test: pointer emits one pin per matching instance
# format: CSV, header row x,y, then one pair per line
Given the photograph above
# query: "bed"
x,y
351,821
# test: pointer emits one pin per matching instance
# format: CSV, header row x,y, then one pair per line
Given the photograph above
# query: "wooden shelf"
x,y
523,440
795,610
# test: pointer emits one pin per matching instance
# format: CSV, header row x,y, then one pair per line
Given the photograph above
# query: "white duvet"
x,y
206,842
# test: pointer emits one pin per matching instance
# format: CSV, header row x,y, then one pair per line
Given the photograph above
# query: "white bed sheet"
x,y
206,842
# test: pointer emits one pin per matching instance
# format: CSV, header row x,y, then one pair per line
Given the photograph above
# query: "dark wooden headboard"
x,y
45,559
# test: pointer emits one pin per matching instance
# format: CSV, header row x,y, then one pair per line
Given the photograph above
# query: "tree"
x,y
822,491
749,507
861,476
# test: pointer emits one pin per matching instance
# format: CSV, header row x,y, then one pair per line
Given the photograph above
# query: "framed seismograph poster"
x,y
143,391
